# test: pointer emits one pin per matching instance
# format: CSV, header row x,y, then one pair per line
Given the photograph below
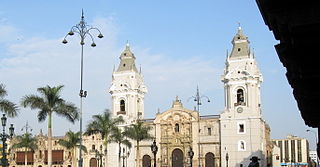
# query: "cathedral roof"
x,y
240,45
127,60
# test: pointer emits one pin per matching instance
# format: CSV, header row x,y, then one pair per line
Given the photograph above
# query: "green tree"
x,y
7,106
48,103
138,132
118,136
71,142
103,124
26,141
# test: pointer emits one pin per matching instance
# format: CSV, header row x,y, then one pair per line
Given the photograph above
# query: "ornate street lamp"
x,y
197,98
154,149
227,159
191,154
254,162
83,30
4,136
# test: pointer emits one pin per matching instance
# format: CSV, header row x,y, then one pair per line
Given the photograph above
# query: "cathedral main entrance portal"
x,y
209,160
146,161
93,162
177,158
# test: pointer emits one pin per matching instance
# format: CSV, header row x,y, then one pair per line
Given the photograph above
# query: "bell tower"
x,y
243,132
242,80
127,89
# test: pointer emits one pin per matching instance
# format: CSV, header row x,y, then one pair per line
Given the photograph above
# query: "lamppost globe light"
x,y
100,36
71,33
93,44
4,120
64,41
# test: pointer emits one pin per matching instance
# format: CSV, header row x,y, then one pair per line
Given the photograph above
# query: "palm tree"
x,y
26,141
6,106
138,132
48,103
103,124
118,136
71,142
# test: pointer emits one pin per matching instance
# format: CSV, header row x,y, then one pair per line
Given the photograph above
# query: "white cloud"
x,y
38,61
7,32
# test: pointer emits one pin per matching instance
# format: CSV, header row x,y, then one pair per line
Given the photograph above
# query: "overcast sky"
x,y
178,44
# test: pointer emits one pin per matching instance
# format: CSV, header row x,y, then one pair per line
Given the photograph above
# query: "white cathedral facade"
x,y
226,140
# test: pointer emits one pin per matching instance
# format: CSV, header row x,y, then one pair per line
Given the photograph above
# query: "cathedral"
x,y
183,137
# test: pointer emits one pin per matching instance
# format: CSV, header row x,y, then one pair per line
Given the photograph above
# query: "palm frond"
x,y
102,124
84,148
25,141
127,143
3,91
138,132
67,110
34,102
8,107
72,141
42,115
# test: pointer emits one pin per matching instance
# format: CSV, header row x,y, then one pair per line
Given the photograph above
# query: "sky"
x,y
179,45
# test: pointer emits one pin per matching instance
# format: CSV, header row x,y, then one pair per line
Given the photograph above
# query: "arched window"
x,y
122,105
93,147
240,97
176,127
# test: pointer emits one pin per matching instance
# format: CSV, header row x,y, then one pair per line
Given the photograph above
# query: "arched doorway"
x,y
146,161
209,160
93,162
177,158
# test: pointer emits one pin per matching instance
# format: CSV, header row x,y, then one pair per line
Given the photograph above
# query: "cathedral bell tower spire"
x,y
240,44
127,60
127,89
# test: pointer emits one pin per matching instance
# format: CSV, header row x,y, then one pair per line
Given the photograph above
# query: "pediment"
x,y
176,115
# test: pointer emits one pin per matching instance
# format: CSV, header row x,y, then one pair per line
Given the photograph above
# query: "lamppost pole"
x,y
127,157
26,128
154,149
123,155
227,159
83,30
197,98
4,136
191,154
